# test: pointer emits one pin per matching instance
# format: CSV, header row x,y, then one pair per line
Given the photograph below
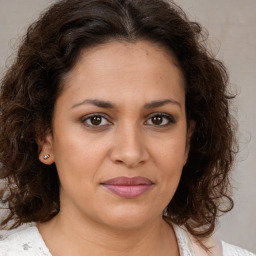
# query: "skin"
x,y
125,142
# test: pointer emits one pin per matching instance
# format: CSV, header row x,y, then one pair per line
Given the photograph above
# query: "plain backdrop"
x,y
231,25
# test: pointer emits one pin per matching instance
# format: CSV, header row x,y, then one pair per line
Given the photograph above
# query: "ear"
x,y
45,146
190,131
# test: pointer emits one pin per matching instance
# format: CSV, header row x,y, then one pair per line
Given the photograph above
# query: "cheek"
x,y
77,159
170,157
171,151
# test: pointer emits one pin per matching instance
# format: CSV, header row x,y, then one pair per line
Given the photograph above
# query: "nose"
x,y
129,147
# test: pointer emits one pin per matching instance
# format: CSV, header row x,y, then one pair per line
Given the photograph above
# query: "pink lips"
x,y
127,187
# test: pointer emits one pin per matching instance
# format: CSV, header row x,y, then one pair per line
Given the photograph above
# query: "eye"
x,y
160,119
95,120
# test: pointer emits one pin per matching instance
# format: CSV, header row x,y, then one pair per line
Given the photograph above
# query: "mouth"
x,y
128,187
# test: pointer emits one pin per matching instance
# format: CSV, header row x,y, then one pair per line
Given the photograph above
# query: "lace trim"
x,y
184,242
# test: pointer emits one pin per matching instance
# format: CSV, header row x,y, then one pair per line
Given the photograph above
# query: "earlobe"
x,y
45,153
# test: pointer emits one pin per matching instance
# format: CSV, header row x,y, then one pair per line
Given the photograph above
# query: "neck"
x,y
65,235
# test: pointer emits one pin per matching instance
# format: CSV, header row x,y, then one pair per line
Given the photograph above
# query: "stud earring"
x,y
46,156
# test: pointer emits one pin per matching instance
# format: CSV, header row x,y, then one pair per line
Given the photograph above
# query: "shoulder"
x,y
232,250
22,241
189,245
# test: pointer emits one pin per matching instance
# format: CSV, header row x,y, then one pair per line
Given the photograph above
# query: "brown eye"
x,y
160,120
157,120
95,121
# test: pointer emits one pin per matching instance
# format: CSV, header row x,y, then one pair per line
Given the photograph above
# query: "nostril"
x,y
129,164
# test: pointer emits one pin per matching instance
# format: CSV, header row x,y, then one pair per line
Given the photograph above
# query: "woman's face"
x,y
120,136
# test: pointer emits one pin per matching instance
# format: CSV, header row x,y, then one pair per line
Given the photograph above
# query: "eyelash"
x,y
88,117
169,119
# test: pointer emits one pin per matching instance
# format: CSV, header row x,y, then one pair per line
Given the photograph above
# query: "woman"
x,y
116,137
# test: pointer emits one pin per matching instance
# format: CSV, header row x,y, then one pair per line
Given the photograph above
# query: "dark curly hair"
x,y
32,84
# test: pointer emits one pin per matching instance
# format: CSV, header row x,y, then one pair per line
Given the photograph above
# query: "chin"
x,y
130,218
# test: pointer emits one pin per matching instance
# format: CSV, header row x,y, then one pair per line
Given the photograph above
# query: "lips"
x,y
128,187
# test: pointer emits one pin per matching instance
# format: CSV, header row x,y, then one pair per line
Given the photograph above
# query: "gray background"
x,y
231,25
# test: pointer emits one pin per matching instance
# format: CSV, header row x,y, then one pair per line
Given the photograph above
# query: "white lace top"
x,y
27,241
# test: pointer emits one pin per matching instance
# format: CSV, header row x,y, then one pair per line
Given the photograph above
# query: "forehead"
x,y
122,71
116,55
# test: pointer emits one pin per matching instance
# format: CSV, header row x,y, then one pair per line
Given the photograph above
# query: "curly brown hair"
x,y
32,84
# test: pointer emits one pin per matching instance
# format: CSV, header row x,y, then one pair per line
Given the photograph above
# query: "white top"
x,y
27,241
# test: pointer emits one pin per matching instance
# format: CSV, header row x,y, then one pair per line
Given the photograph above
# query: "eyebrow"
x,y
159,103
95,102
110,105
